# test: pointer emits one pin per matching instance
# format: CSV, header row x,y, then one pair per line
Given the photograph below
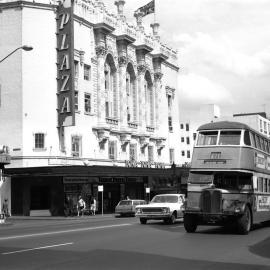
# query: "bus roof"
x,y
223,125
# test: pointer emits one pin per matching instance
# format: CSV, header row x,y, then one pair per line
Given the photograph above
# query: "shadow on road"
x,y
109,259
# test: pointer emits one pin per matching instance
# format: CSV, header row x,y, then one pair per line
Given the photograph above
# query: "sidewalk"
x,y
13,219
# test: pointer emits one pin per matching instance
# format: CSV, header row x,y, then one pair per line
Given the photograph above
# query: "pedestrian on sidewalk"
x,y
93,206
68,206
5,208
81,206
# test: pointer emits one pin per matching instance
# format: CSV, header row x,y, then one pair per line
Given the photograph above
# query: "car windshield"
x,y
165,199
126,202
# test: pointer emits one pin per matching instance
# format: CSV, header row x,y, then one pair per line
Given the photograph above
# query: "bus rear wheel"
x,y
244,223
190,223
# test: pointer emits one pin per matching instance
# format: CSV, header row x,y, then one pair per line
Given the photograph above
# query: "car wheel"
x,y
244,223
172,219
190,223
143,220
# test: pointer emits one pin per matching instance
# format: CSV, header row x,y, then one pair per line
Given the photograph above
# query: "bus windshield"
x,y
233,181
207,138
200,177
229,137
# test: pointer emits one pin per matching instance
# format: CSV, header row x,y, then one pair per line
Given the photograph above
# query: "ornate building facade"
x,y
96,90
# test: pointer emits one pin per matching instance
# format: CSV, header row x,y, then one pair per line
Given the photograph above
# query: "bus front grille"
x,y
211,201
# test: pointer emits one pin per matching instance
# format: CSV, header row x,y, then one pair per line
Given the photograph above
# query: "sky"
x,y
223,51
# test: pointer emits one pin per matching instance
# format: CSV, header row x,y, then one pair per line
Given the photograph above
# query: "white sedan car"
x,y
167,207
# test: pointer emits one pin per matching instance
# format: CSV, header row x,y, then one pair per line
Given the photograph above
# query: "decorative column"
x,y
101,53
101,30
138,17
120,7
157,61
155,27
157,93
141,68
122,42
122,61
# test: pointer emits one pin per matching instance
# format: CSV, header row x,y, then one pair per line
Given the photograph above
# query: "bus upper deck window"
x,y
207,138
247,138
230,137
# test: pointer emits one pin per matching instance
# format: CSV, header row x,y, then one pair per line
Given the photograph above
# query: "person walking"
x,y
93,206
81,206
5,208
68,206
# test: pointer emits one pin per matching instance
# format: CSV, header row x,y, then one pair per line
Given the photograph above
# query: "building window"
x,y
264,127
39,140
171,155
187,127
169,103
76,142
149,101
133,152
76,69
188,141
182,139
150,153
112,150
170,123
194,136
76,101
110,90
131,94
182,126
86,72
87,103
183,153
188,154
128,84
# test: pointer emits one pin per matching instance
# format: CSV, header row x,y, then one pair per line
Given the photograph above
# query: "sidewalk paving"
x,y
13,219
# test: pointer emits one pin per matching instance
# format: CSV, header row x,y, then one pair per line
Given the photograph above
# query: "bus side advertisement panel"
x,y
263,203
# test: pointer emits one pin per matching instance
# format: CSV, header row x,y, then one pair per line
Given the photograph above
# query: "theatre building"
x,y
93,104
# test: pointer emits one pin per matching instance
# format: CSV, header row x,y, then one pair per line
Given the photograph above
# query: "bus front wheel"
x,y
244,223
190,223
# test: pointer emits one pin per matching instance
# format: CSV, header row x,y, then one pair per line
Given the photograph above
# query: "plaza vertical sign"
x,y
65,63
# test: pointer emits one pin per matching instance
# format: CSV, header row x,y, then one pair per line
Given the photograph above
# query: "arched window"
x,y
149,100
110,88
131,94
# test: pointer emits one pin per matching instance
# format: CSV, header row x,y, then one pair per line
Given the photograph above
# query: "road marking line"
x,y
65,231
29,249
176,226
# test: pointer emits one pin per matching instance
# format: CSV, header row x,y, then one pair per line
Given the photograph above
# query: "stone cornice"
x,y
21,4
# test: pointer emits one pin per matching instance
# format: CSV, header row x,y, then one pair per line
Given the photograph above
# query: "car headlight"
x,y
138,210
165,210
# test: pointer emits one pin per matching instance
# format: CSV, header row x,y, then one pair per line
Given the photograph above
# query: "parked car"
x,y
127,207
167,207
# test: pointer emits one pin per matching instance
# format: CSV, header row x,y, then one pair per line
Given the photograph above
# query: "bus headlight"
x,y
233,206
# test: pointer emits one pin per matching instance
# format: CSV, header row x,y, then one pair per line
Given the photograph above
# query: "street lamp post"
x,y
24,47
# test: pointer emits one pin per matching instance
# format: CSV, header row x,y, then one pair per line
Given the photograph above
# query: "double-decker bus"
x,y
229,179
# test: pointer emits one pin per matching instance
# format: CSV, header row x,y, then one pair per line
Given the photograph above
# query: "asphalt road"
x,y
122,243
